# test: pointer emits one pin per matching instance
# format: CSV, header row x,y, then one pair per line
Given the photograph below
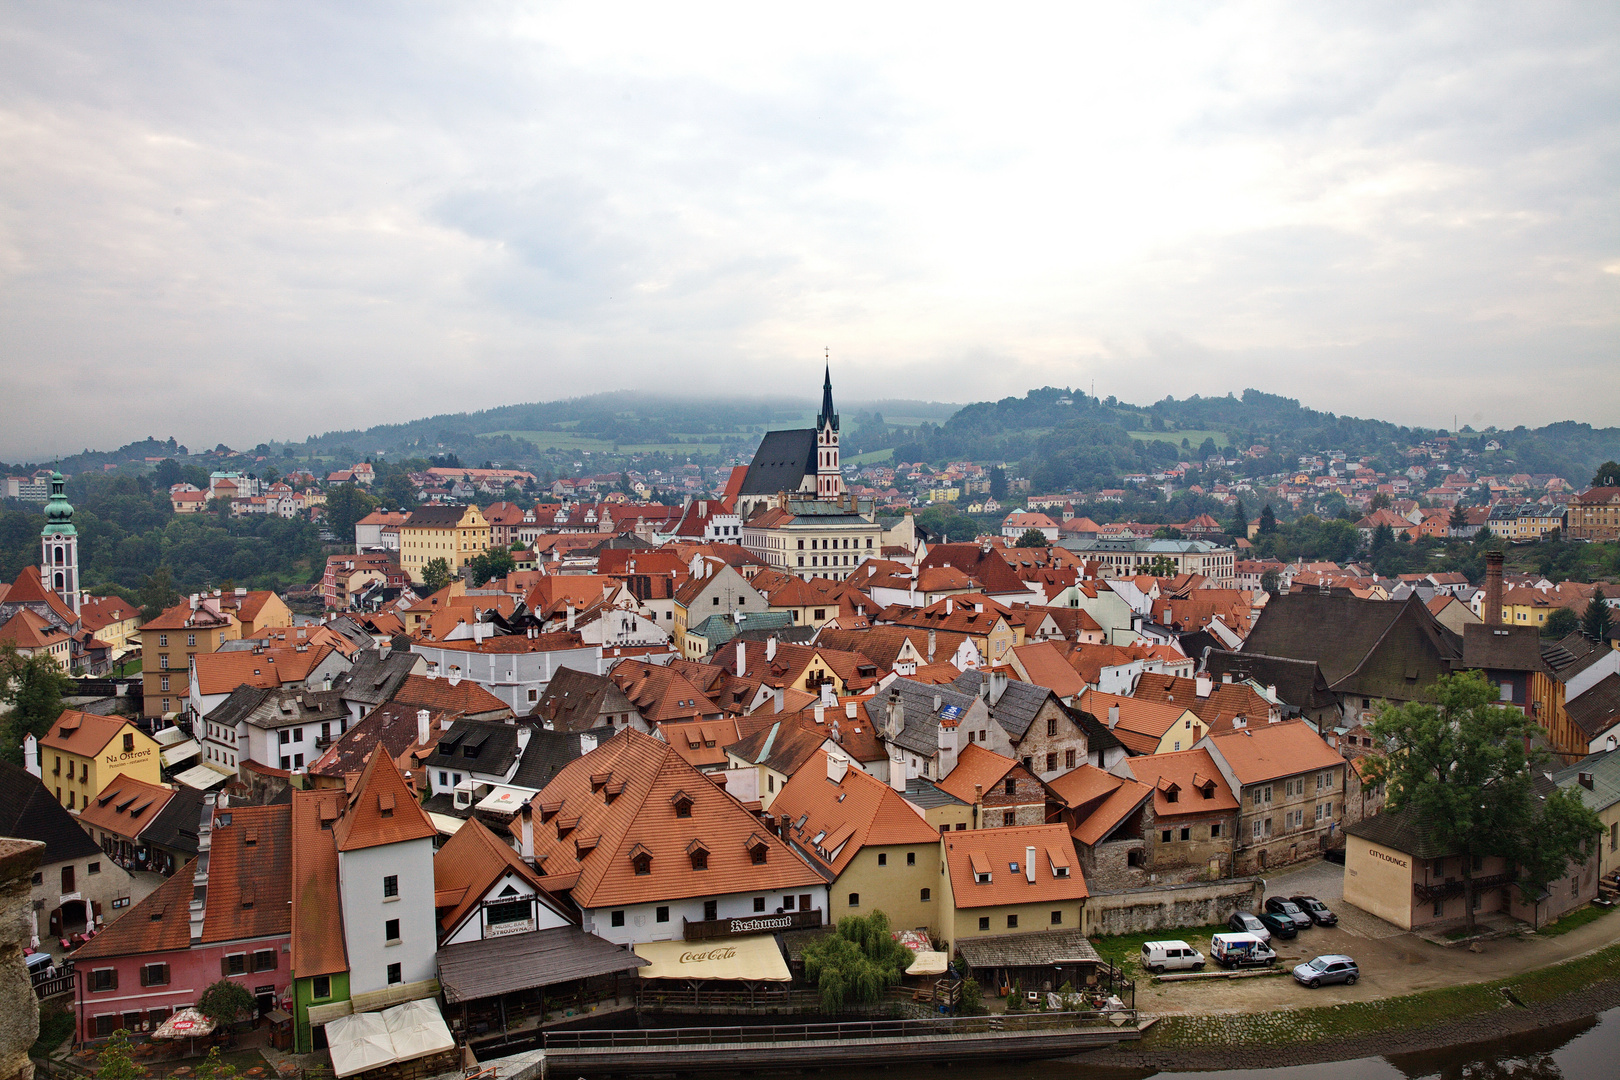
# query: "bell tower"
x,y
59,547
829,474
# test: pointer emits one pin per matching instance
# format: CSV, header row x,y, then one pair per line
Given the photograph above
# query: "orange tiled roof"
x,y
660,694
996,850
29,589
317,933
1141,724
1190,773
472,861
1269,751
382,809
183,617
99,612
126,806
160,923
222,672
85,734
1046,665
442,695
858,811
975,765
27,630
646,781
1228,699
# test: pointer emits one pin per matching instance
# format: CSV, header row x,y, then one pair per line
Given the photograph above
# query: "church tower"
x,y
829,474
59,547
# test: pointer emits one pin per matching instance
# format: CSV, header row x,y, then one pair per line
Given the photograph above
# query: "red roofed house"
x,y
998,882
152,961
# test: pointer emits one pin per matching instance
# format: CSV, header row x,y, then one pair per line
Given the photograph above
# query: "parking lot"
x,y
1392,961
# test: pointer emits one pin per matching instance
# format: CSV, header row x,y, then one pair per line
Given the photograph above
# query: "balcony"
x,y
1454,887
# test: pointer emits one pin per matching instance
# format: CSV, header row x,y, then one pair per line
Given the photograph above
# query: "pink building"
x,y
145,966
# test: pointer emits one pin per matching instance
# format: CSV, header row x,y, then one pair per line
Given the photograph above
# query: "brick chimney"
x,y
1492,615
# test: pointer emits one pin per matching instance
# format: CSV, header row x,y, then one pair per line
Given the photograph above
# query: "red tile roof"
x,y
858,811
84,734
1187,775
462,697
975,766
27,630
317,930
382,809
126,806
469,864
997,850
1270,751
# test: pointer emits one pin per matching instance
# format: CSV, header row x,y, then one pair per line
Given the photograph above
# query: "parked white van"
x,y
1159,956
1240,950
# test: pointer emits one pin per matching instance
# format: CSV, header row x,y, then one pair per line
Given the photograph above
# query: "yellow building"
x,y
456,534
83,752
168,642
1018,880
257,611
112,620
876,847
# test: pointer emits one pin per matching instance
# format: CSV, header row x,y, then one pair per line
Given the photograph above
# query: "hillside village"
x,y
522,743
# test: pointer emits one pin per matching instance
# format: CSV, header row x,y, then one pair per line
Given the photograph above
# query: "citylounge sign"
x,y
1375,853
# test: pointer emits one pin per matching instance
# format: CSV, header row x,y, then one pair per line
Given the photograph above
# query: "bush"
x,y
857,962
972,1000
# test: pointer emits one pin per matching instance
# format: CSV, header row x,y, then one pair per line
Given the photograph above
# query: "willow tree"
x,y
857,962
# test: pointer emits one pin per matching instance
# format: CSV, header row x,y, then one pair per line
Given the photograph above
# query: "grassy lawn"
x,y
565,441
1126,949
1289,1027
1196,438
1577,918
870,458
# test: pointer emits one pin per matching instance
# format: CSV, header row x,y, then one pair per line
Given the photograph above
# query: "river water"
x,y
1587,1049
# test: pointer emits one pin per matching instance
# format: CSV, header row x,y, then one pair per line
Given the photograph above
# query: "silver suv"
x,y
1332,968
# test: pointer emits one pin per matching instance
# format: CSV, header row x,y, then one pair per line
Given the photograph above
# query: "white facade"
x,y
368,912
485,920
519,679
665,920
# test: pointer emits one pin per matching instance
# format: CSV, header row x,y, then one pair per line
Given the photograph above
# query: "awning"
x,y
929,963
417,1029
359,1042
744,959
168,736
201,777
183,750
445,824
481,969
505,800
185,1024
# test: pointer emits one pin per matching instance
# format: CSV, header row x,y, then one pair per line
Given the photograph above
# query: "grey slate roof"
x,y
1017,706
1569,656
475,970
1299,683
1401,830
920,733
1597,710
29,812
373,678
287,707
576,700
548,751
1501,648
926,794
1372,648
238,705
175,826
781,462
1604,770
494,744
1039,949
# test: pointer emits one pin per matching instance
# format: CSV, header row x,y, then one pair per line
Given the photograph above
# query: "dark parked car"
x,y
1333,968
1317,910
1244,923
1281,926
1334,855
1287,909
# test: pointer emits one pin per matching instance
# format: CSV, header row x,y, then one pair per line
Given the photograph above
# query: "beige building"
x,y
168,642
879,850
1019,880
112,620
1290,788
83,752
456,534
814,538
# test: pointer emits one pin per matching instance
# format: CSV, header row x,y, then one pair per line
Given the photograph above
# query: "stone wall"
x,y
19,1008
1171,907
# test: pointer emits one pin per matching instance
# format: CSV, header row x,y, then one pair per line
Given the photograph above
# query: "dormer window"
x,y
982,878
641,860
758,849
699,853
682,803
1060,871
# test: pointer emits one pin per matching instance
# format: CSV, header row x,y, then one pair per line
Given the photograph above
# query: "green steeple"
x,y
58,512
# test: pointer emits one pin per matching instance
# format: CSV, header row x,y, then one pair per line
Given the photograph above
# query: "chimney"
x,y
423,730
1492,615
938,701
570,619
526,832
1226,677
849,709
820,714
947,747
948,605
781,700
523,733
1029,864
1203,686
770,648
931,644
998,685
742,659
587,743
894,719
1113,716
828,698
837,767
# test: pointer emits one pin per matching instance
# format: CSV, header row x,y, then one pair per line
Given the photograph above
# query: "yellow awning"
x,y
744,959
929,963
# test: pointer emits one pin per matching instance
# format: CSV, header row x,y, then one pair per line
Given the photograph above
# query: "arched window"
x,y
60,582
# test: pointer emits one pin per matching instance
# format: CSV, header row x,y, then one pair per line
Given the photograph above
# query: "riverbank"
x,y
1411,1023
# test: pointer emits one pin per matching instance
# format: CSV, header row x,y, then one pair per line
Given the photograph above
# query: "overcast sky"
x,y
235,222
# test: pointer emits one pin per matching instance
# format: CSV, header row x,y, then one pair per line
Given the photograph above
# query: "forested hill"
x,y
1062,439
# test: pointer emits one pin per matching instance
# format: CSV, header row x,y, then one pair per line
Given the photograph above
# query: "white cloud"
x,y
235,223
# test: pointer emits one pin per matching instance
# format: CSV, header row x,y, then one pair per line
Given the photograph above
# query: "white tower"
x,y
829,474
59,547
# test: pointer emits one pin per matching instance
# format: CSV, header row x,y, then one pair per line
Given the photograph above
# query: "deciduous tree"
x,y
436,574
1032,538
857,962
31,687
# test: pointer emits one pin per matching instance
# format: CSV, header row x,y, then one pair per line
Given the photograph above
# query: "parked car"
x,y
1317,910
1244,923
1334,855
1158,956
1281,926
1240,950
1286,908
1332,968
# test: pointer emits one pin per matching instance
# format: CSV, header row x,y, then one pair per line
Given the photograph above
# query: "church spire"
x,y
827,415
